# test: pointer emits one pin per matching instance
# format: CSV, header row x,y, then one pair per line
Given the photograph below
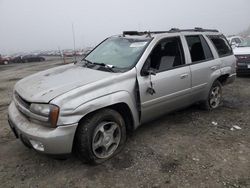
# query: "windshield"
x,y
245,43
118,52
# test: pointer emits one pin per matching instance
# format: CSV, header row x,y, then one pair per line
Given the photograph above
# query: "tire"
x,y
6,62
100,136
214,97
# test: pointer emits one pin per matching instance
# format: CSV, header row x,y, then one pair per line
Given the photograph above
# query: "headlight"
x,y
46,110
40,109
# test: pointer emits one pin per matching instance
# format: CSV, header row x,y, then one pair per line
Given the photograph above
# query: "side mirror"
x,y
151,72
148,72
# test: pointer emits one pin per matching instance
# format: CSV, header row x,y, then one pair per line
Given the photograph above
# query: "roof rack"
x,y
173,30
136,33
196,29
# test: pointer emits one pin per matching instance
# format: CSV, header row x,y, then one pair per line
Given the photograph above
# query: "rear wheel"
x,y
6,62
100,136
214,97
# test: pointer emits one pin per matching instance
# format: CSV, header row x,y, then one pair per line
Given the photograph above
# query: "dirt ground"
x,y
189,148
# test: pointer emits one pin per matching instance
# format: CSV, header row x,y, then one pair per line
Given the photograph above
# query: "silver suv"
x,y
127,80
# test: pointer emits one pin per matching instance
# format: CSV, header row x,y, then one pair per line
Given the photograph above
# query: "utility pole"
x,y
73,33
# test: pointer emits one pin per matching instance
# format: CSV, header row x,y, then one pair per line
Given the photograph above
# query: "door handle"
x,y
183,76
213,68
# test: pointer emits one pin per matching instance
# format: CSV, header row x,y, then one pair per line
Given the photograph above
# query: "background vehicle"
x,y
234,41
242,53
28,58
4,60
68,54
126,81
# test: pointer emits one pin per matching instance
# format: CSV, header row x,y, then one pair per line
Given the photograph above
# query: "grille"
x,y
24,107
21,101
243,58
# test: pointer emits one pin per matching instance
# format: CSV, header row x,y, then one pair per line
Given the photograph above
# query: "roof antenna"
x,y
73,34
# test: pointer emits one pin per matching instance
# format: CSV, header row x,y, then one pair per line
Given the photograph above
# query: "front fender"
x,y
101,102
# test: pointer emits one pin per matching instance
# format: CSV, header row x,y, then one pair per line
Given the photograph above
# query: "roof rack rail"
x,y
196,29
173,30
136,33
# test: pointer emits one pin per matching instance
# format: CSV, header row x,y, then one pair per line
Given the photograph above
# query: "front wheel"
x,y
100,136
214,97
6,62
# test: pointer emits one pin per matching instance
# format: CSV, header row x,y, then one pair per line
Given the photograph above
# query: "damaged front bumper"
x,y
41,138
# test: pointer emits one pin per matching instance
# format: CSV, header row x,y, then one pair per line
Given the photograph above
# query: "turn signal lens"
x,y
53,116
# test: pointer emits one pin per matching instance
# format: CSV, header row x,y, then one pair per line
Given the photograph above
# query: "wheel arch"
x,y
123,109
223,79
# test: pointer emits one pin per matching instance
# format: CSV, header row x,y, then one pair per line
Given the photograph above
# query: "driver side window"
x,y
167,54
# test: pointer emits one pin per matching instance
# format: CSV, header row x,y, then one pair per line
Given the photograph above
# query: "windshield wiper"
x,y
107,66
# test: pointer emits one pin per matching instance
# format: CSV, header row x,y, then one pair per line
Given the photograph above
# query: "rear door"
x,y
203,65
170,87
225,53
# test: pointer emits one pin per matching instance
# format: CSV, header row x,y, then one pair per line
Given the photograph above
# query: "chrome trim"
x,y
23,102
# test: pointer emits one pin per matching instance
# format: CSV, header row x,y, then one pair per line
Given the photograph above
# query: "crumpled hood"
x,y
46,85
241,51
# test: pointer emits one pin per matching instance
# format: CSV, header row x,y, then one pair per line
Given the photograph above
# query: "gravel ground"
x,y
189,148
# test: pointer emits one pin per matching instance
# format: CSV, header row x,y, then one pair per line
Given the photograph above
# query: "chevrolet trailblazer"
x,y
125,81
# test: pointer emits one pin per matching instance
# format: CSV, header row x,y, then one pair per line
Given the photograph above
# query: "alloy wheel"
x,y
215,97
106,139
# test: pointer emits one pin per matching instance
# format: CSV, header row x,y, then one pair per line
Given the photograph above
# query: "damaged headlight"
x,y
46,110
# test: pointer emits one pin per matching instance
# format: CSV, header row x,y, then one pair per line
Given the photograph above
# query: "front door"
x,y
170,87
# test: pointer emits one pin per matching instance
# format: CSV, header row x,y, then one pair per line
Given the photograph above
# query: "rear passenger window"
x,y
222,46
199,49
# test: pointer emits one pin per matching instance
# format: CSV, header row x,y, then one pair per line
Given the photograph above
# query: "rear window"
x,y
222,46
236,40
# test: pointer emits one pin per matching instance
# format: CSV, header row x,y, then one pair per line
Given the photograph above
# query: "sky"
x,y
30,25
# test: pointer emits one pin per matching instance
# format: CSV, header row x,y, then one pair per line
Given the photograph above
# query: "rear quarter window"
x,y
221,45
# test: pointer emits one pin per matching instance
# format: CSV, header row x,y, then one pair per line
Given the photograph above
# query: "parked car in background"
x,y
68,53
234,41
17,59
242,53
4,60
81,52
124,82
28,58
